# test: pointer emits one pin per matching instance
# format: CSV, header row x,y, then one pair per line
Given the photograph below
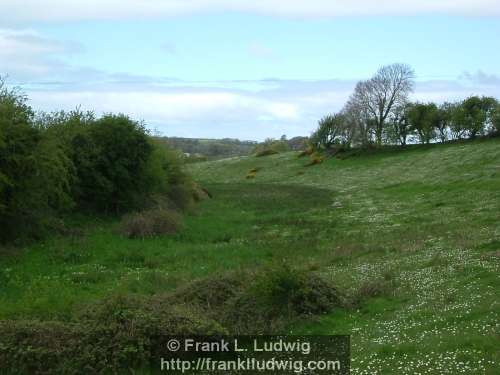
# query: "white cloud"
x,y
66,10
27,54
220,110
239,109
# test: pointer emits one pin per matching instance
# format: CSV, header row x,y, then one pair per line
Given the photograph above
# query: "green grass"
x,y
427,219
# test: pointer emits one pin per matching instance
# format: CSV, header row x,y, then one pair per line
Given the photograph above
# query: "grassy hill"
x,y
414,234
426,219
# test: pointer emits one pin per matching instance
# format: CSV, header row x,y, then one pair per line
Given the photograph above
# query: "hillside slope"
x,y
426,221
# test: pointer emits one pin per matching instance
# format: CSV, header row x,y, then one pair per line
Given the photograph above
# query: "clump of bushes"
x,y
124,333
156,221
262,301
119,335
54,163
35,171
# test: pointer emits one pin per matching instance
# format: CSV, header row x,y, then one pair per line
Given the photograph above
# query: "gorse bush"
x,y
50,163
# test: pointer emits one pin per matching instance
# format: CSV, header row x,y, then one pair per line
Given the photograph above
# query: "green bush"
x,y
117,336
124,333
153,222
53,162
297,292
35,172
262,301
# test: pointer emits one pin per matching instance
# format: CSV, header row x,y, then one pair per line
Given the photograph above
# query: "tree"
x,y
475,115
332,130
423,119
444,120
400,124
379,95
360,122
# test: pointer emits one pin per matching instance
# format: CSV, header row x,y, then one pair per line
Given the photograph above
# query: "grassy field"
x,y
422,225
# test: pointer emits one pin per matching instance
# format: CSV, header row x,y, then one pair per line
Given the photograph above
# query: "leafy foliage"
x,y
52,162
35,172
423,119
332,130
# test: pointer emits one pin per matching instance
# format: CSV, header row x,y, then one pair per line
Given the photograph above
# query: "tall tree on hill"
x,y
423,118
380,95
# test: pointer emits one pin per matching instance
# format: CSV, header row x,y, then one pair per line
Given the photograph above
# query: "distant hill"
x,y
210,148
221,148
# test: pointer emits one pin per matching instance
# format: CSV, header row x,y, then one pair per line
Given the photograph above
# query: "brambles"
x,y
153,222
128,332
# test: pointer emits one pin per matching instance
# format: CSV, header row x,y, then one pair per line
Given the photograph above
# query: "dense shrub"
x,y
296,291
156,221
119,335
51,162
110,157
262,301
35,172
124,333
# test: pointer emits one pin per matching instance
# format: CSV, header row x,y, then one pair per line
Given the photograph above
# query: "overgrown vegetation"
x,y
52,164
125,332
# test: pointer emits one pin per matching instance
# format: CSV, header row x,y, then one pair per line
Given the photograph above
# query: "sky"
x,y
241,69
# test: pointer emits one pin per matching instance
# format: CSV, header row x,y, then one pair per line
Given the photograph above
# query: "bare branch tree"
x,y
389,88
